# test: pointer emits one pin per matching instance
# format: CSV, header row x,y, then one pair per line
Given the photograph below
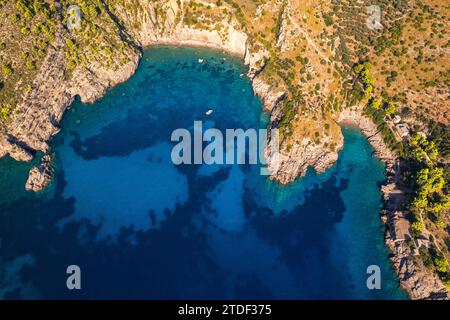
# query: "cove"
x,y
140,227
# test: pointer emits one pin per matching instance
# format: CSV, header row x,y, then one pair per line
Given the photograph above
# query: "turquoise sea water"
x,y
140,227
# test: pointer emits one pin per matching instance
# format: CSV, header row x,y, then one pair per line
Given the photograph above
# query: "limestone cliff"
x,y
38,116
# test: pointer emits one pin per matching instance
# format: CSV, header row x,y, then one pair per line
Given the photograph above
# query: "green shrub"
x,y
31,65
417,227
390,108
440,224
7,69
328,18
5,110
441,264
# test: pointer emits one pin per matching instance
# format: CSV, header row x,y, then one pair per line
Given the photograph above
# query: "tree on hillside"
x,y
390,108
375,103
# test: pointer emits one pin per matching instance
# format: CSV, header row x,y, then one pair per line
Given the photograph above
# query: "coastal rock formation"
x,y
14,150
269,95
294,162
353,116
137,23
414,277
37,118
228,35
40,176
147,28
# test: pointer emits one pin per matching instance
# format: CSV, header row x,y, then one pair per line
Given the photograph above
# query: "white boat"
x,y
209,112
200,60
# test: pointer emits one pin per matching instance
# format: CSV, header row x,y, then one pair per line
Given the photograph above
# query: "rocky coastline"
x,y
37,121
417,281
40,176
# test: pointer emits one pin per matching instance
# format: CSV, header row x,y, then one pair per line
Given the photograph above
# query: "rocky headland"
x,y
417,281
40,176
304,142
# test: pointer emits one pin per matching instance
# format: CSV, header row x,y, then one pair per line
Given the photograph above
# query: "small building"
x,y
397,119
403,129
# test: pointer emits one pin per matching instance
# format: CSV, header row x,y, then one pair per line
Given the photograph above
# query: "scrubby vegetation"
x,y
30,28
321,54
425,170
430,201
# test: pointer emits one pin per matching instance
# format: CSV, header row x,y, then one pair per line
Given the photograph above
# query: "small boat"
x,y
200,60
209,112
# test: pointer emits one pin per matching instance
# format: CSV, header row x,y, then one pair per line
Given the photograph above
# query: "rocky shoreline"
x,y
417,281
40,176
37,119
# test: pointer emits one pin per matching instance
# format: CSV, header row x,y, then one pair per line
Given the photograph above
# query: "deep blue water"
x,y
140,227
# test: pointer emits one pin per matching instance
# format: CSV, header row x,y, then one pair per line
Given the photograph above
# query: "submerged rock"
x,y
40,176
